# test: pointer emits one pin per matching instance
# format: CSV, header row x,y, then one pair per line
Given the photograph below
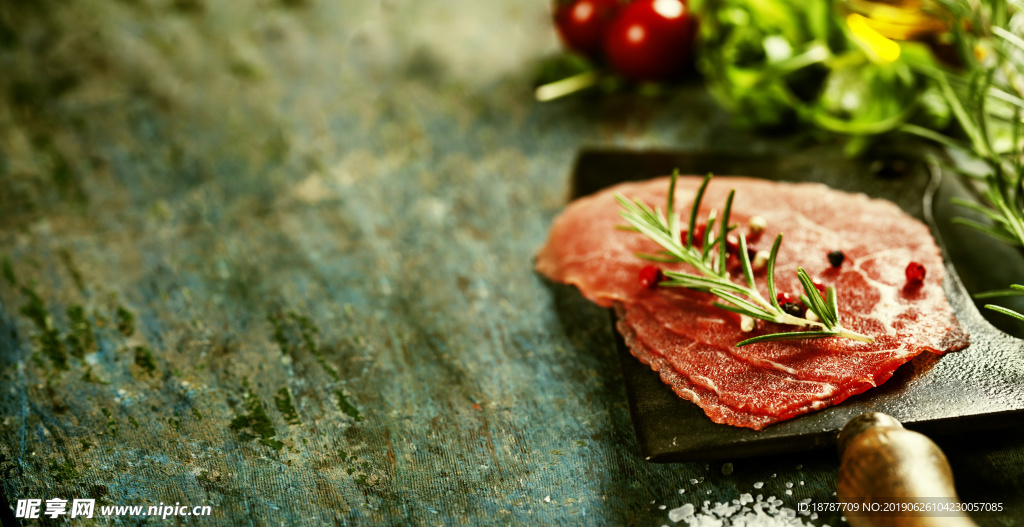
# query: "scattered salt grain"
x,y
773,475
758,485
547,499
682,513
789,492
693,481
789,485
661,507
727,469
682,491
746,511
801,482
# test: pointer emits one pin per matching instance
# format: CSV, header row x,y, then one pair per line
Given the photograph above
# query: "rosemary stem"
x,y
855,336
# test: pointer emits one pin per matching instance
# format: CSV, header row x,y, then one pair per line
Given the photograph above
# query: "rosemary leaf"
x,y
656,257
832,303
723,263
987,229
770,274
812,298
695,207
748,272
1015,290
1005,311
991,214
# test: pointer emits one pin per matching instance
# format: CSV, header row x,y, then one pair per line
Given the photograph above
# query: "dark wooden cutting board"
x,y
981,387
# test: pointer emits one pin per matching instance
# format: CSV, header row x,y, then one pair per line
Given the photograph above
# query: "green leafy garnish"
x,y
665,229
986,96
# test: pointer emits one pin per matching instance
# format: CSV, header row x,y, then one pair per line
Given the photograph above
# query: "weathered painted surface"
x,y
275,257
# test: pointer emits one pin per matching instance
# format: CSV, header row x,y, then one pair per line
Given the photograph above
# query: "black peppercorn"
x,y
792,308
836,258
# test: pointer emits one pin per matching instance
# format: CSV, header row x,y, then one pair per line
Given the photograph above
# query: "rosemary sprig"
x,y
1014,290
987,98
710,261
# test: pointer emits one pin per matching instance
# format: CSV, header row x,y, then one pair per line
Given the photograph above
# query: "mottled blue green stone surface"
x,y
276,258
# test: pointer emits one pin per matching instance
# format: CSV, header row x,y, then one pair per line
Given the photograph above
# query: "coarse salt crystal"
x,y
760,260
789,485
547,499
758,485
681,513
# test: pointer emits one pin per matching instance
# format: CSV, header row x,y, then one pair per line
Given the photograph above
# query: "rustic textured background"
x,y
276,257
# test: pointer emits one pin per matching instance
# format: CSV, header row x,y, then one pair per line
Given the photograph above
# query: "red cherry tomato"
x,y
582,24
651,39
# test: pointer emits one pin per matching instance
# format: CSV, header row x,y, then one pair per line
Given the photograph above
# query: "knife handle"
x,y
890,467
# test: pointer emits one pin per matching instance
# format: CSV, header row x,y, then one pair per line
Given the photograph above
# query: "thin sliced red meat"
x,y
708,401
739,384
877,238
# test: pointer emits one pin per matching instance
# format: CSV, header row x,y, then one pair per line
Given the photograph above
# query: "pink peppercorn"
x,y
650,276
915,273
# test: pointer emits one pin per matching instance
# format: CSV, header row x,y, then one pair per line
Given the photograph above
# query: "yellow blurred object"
x,y
884,48
980,53
900,19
